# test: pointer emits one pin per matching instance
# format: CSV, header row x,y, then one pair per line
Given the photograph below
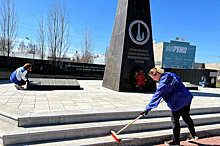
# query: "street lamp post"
x,y
34,45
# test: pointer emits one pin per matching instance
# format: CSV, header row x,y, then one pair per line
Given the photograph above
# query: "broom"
x,y
115,135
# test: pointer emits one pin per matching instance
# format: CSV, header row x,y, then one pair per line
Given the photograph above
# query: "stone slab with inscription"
x,y
52,84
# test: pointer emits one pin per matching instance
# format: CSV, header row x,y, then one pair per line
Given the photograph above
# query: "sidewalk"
x,y
210,141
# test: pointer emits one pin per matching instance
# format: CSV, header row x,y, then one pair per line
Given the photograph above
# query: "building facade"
x,y
174,54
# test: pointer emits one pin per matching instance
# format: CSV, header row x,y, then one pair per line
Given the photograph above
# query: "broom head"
x,y
115,136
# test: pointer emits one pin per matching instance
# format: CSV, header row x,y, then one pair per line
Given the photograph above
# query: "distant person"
x,y
19,75
203,82
178,99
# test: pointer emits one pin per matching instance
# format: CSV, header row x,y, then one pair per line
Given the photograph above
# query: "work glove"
x,y
145,112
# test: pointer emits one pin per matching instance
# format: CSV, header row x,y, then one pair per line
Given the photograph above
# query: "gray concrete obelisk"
x,y
130,54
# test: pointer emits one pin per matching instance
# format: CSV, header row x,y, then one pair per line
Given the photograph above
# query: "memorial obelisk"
x,y
130,55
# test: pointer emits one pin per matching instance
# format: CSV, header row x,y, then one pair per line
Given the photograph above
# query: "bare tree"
x,y
58,30
9,26
41,36
22,47
106,54
2,44
87,47
64,32
31,48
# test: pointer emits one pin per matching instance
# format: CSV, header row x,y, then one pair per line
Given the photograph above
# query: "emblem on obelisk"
x,y
140,39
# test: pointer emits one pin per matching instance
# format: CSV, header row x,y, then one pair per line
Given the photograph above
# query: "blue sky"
x,y
195,20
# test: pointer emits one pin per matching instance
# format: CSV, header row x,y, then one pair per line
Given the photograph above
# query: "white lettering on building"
x,y
176,49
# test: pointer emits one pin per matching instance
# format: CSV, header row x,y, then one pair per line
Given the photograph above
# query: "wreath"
x,y
139,79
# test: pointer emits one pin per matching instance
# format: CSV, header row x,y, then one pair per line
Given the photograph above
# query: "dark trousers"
x,y
22,82
175,115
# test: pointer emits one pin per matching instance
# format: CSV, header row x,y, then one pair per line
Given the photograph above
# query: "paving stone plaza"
x,y
92,97
92,102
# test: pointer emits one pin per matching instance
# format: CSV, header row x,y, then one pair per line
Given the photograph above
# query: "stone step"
x,y
130,139
23,118
11,134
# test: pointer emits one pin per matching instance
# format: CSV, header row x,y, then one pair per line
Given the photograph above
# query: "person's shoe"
x,y
171,142
192,138
203,85
17,87
21,87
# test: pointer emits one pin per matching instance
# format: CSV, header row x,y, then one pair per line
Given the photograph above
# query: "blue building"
x,y
174,54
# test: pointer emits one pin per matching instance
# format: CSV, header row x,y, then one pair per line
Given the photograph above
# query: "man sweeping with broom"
x,y
178,99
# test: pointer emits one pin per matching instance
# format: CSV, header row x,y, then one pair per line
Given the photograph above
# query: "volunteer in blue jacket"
x,y
19,75
178,99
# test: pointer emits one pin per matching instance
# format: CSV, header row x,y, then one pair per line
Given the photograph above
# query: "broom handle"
x,y
130,123
133,121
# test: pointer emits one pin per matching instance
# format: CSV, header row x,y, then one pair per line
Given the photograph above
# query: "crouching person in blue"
x,y
178,99
203,81
19,75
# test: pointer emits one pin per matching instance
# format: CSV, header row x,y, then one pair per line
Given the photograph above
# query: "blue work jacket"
x,y
18,74
173,92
